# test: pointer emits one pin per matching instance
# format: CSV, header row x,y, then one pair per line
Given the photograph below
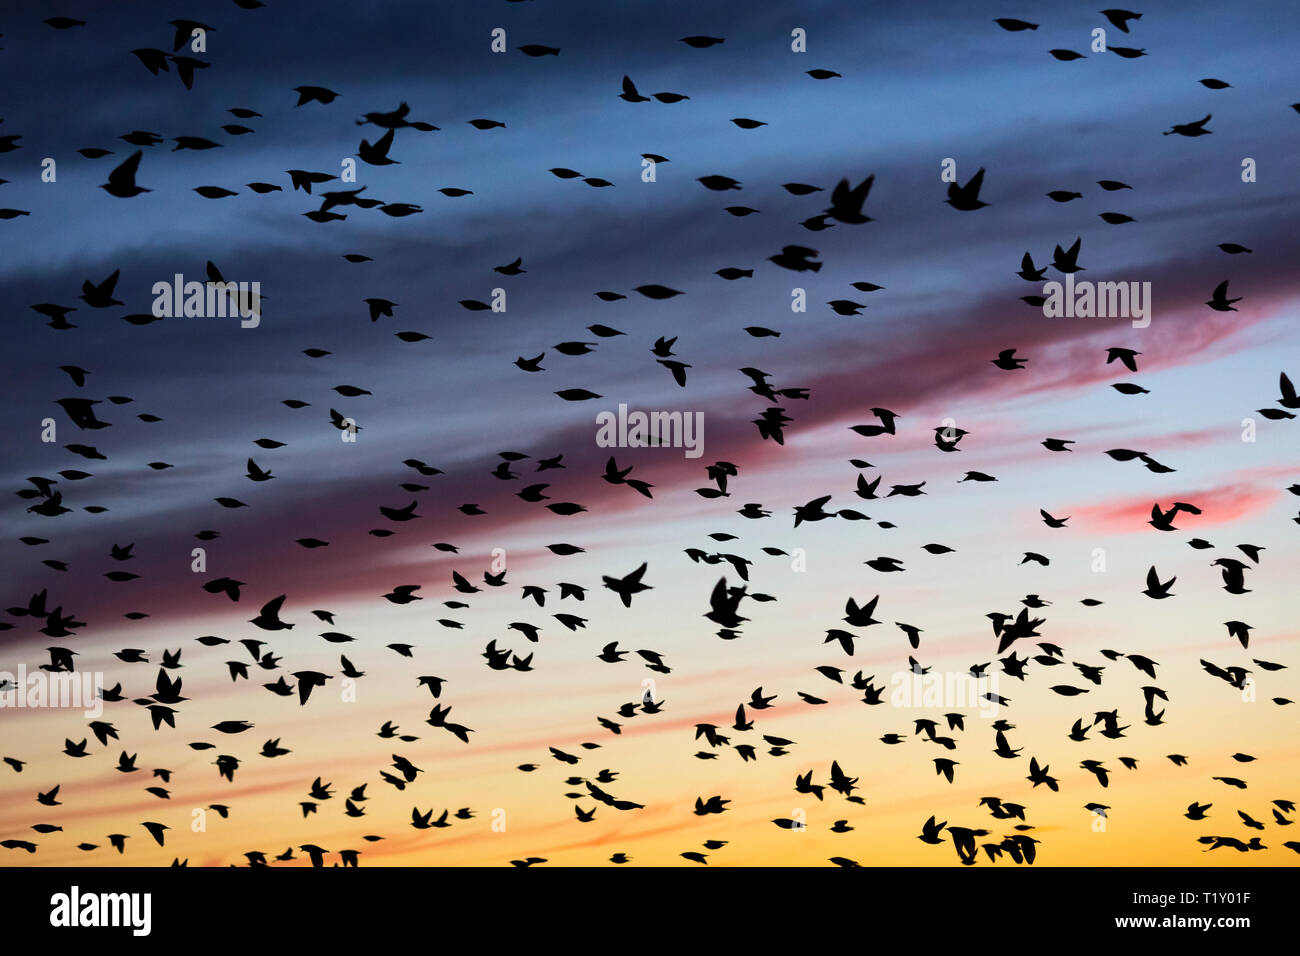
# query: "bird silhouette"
x,y
121,181
967,198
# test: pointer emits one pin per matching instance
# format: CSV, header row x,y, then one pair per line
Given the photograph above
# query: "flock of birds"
x,y
50,501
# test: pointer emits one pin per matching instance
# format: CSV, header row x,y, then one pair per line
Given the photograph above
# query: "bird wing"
x,y
1288,390
124,175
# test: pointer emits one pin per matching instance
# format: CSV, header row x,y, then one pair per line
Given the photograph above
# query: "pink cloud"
x,y
1219,505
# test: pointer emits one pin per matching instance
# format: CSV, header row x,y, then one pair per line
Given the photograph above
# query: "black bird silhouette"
x,y
1191,129
627,586
1219,300
1155,587
121,181
1120,18
967,198
847,200
268,618
1007,360
1067,260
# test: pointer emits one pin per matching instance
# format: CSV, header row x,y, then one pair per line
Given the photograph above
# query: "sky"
x,y
920,90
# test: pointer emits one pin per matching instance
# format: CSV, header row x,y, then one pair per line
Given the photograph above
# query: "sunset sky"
x,y
919,84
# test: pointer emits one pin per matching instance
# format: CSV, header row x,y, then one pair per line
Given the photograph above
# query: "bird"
x,y
1028,272
1039,775
847,200
1127,356
930,831
1162,520
98,297
1191,129
860,615
1289,397
630,93
268,618
1120,18
314,94
1219,300
121,181
1066,260
967,198
1051,521
376,154
1007,360
797,259
1155,588
627,586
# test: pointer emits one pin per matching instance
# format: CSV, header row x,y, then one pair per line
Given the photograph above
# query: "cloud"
x,y
1220,505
